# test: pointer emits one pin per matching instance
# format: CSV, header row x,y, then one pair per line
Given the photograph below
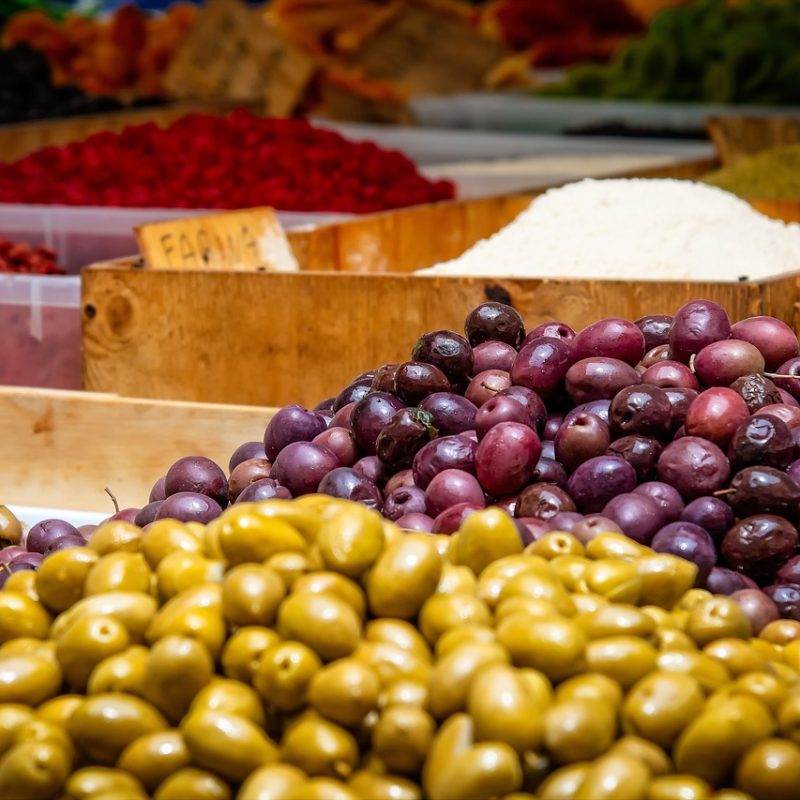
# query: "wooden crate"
x,y
61,449
21,139
272,339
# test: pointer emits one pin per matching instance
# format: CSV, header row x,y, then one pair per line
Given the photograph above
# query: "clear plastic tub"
x,y
40,331
83,235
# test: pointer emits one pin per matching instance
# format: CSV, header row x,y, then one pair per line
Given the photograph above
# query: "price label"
x,y
251,240
233,53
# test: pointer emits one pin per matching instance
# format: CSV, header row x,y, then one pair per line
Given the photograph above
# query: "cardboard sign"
x,y
232,53
251,239
430,52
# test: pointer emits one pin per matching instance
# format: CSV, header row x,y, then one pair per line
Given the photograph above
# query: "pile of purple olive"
x,y
681,432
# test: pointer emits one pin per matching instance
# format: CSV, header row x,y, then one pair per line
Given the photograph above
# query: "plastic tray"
x,y
83,235
40,331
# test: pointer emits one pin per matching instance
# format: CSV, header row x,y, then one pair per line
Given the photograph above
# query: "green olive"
x,y
738,656
152,758
58,710
564,782
617,580
116,535
23,583
504,710
625,659
590,686
614,775
22,617
456,768
165,536
94,783
665,578
770,770
442,612
538,587
485,537
193,784
320,748
60,577
13,716
271,783
709,673
404,692
182,569
615,619
579,729
10,526
105,724
321,789
247,536
455,637
251,595
615,546
119,572
405,575
765,686
665,639
678,787
38,730
383,787
28,679
495,576
181,617
661,705
290,565
345,691
555,647
536,608
716,618
230,745
780,631
456,580
244,650
284,675
178,667
333,583
402,738
33,771
570,570
351,541
652,755
711,744
230,697
86,643
134,610
555,544
324,622
123,672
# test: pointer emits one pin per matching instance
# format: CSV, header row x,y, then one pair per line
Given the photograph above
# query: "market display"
x,y
635,229
124,53
21,258
710,50
238,161
309,649
771,175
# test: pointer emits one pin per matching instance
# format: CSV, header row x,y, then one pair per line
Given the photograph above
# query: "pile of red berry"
x,y
22,258
239,161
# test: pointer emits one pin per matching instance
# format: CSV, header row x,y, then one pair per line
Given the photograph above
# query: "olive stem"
x,y
113,499
777,375
723,492
490,388
692,358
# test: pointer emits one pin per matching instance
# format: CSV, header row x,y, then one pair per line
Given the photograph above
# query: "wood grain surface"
x,y
61,449
272,339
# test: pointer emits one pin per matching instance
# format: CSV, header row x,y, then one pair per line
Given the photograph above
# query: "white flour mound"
x,y
639,228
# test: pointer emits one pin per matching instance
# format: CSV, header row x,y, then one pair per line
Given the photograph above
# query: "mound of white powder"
x,y
647,229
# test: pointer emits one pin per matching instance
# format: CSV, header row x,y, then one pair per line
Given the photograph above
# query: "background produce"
x,y
125,53
22,258
310,649
711,50
238,161
771,175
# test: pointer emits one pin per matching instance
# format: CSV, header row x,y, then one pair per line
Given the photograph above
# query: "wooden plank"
x,y
18,141
61,449
279,338
248,239
736,138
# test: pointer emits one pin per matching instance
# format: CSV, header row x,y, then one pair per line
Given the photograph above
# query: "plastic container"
x,y
40,331
83,235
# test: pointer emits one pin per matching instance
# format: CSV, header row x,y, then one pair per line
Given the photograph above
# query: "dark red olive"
x,y
543,501
759,545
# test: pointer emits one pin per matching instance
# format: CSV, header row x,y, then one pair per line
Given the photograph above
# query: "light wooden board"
x,y
280,338
61,449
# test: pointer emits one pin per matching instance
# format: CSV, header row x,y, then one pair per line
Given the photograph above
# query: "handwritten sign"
x,y
233,53
430,52
251,239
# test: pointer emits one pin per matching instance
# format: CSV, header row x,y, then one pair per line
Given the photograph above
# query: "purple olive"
x,y
265,489
373,468
200,475
598,378
452,487
147,514
551,330
158,492
690,542
655,329
758,607
506,458
339,441
566,521
494,322
243,452
493,355
402,501
448,351
292,423
450,413
694,466
541,365
722,580
300,467
775,340
666,497
786,597
348,484
449,452
697,324
370,415
452,518
41,535
355,391
593,525
639,516
710,513
189,507
612,337
415,522
599,479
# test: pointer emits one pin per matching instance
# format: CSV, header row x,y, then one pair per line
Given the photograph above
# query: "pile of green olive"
x,y
311,650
